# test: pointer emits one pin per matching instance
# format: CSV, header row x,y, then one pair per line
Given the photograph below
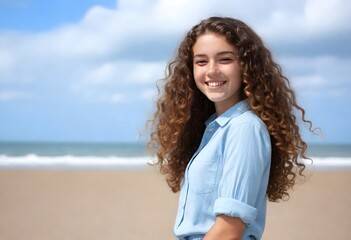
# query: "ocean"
x,y
50,155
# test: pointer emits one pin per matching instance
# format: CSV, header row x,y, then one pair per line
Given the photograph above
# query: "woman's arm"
x,y
226,228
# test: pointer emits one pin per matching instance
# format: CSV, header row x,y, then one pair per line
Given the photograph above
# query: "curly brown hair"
x,y
178,123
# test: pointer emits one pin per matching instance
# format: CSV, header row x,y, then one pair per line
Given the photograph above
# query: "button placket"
x,y
206,137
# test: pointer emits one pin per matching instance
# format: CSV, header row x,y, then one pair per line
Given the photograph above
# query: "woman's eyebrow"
x,y
218,54
200,55
226,52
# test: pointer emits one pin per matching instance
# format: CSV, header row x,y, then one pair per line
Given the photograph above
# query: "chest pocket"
x,y
203,174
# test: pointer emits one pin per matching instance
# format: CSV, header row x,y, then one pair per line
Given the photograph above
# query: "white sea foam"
x,y
73,162
329,164
80,162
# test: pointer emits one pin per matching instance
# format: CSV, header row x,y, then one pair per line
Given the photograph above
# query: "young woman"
x,y
225,132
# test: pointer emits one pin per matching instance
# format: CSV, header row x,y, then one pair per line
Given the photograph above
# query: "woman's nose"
x,y
212,68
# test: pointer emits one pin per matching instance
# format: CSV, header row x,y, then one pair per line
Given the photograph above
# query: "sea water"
x,y
49,155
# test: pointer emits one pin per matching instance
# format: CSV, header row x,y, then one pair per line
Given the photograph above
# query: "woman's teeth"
x,y
215,84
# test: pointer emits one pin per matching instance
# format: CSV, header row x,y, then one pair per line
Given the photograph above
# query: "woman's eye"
x,y
201,62
226,60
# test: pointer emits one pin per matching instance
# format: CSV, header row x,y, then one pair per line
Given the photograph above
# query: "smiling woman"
x,y
225,132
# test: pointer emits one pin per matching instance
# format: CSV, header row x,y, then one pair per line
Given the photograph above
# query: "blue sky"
x,y
86,70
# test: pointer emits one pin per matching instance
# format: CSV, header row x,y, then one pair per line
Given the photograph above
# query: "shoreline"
x,y
68,162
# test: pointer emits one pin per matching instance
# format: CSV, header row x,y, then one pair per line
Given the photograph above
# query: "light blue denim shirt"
x,y
227,175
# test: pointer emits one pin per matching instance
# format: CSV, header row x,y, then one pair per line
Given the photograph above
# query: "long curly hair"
x,y
178,122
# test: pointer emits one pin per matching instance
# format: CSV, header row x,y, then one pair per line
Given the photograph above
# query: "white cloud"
x,y
10,95
105,73
7,59
146,72
328,16
125,49
317,86
130,77
113,97
117,97
307,23
319,77
310,81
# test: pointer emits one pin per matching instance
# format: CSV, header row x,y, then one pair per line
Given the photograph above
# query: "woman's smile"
x,y
215,84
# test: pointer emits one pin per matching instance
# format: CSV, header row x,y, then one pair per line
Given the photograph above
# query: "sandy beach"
x,y
137,204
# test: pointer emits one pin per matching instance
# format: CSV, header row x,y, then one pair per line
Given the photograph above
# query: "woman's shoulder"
x,y
247,123
247,118
248,126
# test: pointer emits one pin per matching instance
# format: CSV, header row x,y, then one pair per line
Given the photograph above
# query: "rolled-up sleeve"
x,y
246,155
235,208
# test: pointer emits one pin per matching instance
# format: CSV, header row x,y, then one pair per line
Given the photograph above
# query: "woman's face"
x,y
217,70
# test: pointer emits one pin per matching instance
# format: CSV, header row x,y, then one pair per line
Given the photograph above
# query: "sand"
x,y
112,204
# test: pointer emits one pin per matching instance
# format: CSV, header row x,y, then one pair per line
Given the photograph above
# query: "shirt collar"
x,y
233,111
